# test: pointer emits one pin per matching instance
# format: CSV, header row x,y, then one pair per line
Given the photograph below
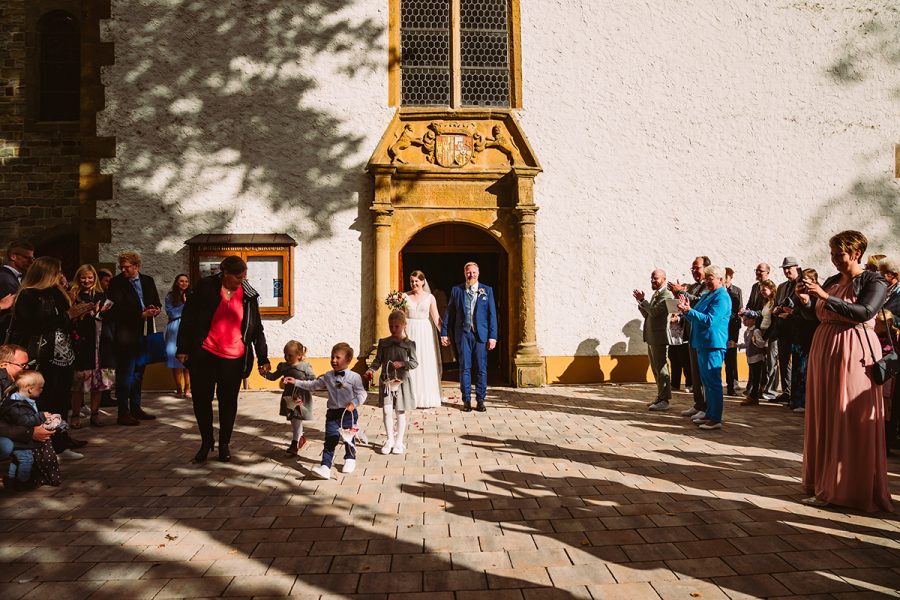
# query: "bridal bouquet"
x,y
396,300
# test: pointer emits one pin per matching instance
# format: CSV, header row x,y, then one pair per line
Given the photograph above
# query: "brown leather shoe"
x,y
143,416
750,401
127,420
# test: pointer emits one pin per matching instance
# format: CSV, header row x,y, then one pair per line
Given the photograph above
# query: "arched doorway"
x,y
441,251
436,216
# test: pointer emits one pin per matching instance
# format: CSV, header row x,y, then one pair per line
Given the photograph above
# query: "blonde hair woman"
x,y
41,321
94,360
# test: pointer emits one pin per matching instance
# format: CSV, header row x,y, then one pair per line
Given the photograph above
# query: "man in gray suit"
x,y
657,335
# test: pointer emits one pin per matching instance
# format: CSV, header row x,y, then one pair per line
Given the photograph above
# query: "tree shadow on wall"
x,y
872,200
218,117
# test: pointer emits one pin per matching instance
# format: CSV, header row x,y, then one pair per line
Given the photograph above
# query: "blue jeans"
x,y
129,377
799,356
333,435
472,355
25,460
709,361
6,447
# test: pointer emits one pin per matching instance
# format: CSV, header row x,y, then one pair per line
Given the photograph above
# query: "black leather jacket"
x,y
870,289
197,319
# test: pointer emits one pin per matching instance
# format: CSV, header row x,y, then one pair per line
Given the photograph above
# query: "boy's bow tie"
x,y
339,373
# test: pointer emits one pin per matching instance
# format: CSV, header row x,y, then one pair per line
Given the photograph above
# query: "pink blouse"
x,y
224,337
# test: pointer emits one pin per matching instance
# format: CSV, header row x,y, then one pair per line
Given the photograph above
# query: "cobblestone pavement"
x,y
562,492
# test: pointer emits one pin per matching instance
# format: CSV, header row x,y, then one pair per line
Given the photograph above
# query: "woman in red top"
x,y
219,326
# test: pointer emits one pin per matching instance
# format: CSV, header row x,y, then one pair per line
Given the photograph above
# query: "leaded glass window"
x,y
454,53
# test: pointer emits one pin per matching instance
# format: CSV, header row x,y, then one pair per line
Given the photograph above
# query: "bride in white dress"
x,y
422,327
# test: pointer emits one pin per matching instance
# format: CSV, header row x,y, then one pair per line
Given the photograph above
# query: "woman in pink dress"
x,y
844,460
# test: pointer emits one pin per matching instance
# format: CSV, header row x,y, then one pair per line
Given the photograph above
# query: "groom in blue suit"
x,y
472,317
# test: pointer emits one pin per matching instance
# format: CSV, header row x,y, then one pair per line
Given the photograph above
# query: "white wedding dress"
x,y
426,378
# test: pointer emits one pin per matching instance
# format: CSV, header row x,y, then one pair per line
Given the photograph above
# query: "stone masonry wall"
x,y
39,162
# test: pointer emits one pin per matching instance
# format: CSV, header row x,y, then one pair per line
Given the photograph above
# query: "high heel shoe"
x,y
201,455
224,453
95,420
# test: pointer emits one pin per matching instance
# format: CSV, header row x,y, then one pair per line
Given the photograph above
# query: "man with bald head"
x,y
657,335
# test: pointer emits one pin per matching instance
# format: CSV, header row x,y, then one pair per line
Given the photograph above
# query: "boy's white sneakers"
x,y
387,447
322,471
349,465
398,449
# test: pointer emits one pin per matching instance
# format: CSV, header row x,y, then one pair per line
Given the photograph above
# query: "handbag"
x,y
889,365
153,350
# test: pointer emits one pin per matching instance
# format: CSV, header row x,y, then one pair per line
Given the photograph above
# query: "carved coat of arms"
x,y
451,144
454,144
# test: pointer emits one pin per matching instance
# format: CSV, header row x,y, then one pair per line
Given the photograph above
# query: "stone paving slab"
x,y
562,492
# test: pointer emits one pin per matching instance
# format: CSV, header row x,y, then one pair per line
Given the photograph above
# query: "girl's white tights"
x,y
392,441
297,427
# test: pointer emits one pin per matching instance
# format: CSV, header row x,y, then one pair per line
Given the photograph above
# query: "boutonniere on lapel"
x,y
481,291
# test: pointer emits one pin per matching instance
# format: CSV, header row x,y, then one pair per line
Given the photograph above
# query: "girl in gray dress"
x,y
294,366
397,355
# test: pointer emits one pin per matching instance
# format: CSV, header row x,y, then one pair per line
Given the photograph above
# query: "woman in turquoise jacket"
x,y
709,337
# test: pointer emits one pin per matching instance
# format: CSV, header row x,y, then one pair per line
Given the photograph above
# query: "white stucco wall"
x,y
249,117
742,129
668,130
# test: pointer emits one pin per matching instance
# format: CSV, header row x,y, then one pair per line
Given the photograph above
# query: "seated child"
x,y
294,366
346,393
397,355
21,409
755,345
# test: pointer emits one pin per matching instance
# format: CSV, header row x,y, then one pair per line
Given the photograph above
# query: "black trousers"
x,y
699,400
57,398
681,363
730,369
213,375
784,366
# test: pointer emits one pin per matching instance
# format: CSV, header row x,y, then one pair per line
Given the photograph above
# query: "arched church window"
x,y
457,53
59,67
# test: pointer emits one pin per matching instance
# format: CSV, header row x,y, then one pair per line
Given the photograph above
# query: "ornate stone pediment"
x,y
465,140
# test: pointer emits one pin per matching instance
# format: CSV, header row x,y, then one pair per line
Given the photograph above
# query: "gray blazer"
x,y
656,318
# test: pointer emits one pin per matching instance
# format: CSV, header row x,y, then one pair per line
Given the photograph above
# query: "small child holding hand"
x,y
296,367
396,355
346,393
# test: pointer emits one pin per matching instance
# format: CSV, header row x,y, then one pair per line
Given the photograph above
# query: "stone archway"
x,y
441,251
471,168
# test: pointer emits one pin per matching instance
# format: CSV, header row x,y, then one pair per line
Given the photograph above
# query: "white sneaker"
x,y
660,405
399,449
349,466
387,447
799,409
710,425
69,454
689,412
700,416
322,471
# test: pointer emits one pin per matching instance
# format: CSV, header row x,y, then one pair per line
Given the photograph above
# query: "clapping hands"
x,y
638,295
676,287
